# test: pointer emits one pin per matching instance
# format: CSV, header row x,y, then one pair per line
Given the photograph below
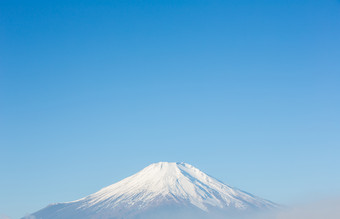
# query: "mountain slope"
x,y
160,187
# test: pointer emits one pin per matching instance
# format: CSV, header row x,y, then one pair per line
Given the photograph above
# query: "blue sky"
x,y
93,91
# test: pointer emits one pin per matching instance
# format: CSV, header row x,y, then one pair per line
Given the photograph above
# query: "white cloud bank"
x,y
326,209
2,216
329,209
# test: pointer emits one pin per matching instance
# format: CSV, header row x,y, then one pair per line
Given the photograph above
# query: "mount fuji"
x,y
161,190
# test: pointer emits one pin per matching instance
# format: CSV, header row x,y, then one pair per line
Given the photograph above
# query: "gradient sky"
x,y
93,91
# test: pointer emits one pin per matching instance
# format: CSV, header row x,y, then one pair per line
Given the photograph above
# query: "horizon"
x,y
92,91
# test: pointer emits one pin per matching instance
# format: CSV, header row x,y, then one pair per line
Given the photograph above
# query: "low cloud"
x,y
326,209
2,216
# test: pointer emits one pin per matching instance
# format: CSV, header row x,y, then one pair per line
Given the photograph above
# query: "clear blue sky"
x,y
93,91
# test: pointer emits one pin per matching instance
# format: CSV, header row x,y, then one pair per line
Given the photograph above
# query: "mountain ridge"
x,y
162,185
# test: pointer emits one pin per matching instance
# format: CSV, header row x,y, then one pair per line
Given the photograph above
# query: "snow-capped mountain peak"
x,y
164,179
157,186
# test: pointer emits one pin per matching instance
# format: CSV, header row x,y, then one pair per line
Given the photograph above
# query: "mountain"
x,y
163,188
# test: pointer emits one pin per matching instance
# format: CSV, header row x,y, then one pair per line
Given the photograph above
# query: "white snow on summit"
x,y
158,185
